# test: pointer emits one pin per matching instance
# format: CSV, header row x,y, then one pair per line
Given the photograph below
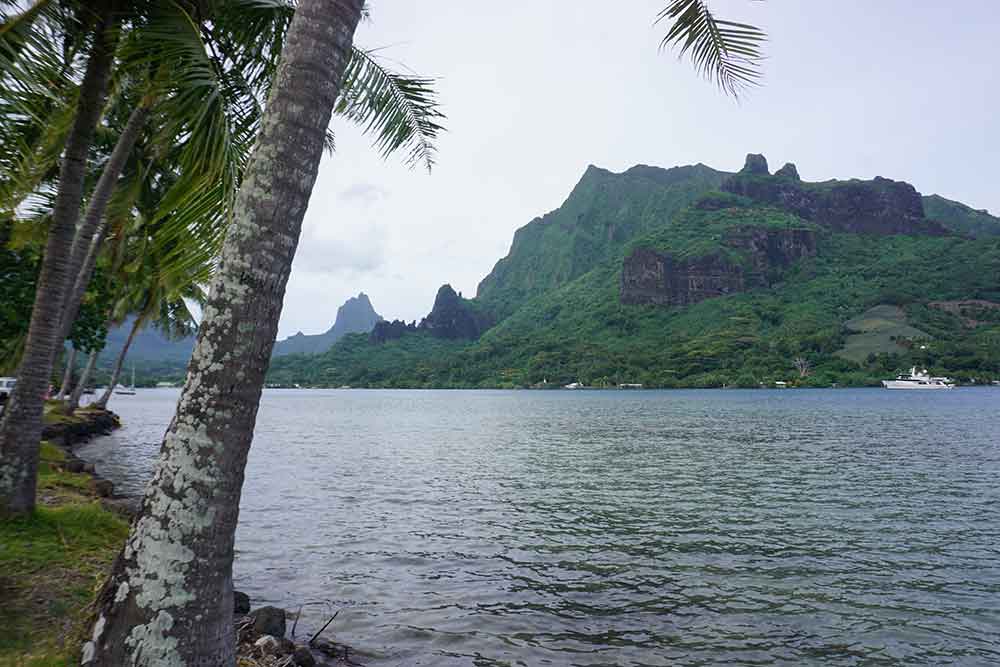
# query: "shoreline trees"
x,y
185,85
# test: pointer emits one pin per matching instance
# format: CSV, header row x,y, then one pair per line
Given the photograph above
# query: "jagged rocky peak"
x,y
356,315
788,171
755,164
452,317
879,206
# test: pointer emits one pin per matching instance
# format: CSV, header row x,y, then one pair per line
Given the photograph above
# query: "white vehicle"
x,y
6,387
918,380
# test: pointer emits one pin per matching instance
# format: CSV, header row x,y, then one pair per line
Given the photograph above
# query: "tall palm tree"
x,y
169,599
198,73
20,428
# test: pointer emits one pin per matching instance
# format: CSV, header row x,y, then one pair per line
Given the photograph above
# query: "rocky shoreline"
x,y
66,432
262,641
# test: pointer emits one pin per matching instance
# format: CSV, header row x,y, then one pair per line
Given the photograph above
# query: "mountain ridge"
x,y
741,299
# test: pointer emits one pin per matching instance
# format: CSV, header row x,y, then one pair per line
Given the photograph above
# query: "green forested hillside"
x,y
602,213
961,218
849,308
580,332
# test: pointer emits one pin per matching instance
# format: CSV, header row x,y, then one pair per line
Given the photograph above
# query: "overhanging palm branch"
x,y
401,111
38,76
724,51
233,61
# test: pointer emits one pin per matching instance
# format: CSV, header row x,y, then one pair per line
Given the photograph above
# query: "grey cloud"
x,y
339,256
364,194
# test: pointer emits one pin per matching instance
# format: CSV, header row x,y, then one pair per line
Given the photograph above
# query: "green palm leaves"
x,y
400,111
728,53
204,69
37,47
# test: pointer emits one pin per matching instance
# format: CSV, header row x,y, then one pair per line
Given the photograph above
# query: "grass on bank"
x,y
51,565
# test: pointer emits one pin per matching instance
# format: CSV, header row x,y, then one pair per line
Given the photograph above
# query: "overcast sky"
x,y
536,91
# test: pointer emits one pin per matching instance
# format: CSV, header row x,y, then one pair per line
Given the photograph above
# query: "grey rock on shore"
x,y
241,603
269,621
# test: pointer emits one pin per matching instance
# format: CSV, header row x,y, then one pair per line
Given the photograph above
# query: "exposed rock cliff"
x,y
651,277
770,249
386,330
880,206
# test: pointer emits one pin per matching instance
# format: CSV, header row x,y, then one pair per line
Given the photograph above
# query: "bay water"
x,y
833,527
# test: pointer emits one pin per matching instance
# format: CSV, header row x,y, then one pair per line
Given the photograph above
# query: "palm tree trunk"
x,y
67,375
74,398
102,402
90,236
21,428
169,599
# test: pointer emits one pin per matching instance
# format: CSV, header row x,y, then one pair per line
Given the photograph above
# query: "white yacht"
x,y
126,391
918,380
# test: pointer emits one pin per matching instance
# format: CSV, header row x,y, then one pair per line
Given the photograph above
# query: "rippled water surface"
x,y
834,527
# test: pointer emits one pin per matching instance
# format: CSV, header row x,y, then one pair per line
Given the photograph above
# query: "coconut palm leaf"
x,y
203,128
38,67
401,111
724,51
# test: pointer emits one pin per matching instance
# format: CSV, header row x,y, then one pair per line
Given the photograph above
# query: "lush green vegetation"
x,y
51,563
602,213
581,332
697,232
358,362
961,218
881,329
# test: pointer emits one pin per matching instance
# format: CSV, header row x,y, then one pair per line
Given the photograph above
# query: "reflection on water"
x,y
835,527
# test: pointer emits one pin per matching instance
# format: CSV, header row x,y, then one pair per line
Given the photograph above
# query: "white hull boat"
x,y
918,380
126,391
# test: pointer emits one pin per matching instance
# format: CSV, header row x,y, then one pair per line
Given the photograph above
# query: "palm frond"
x,y
724,51
205,126
17,32
400,110
39,75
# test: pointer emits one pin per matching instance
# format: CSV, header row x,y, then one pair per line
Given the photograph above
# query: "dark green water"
x,y
833,527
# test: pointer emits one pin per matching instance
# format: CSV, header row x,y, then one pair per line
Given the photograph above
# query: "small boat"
x,y
126,391
918,380
574,385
